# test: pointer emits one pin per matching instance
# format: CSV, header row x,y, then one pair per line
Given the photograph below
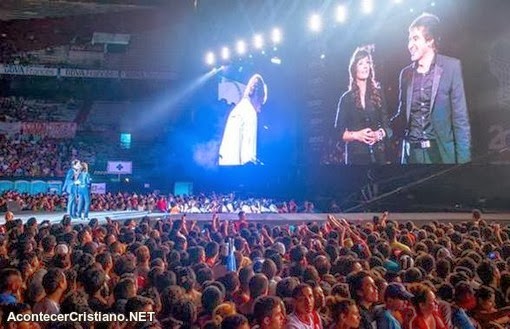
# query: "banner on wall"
x,y
147,75
31,187
98,188
79,73
28,70
119,167
49,129
10,128
84,73
55,186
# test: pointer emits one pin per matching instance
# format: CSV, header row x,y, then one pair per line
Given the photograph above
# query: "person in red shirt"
x,y
242,222
211,253
425,305
162,205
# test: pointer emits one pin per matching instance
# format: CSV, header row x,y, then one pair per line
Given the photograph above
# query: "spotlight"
x,y
258,41
367,6
241,47
341,14
397,1
276,36
323,56
315,23
210,59
225,53
432,4
276,60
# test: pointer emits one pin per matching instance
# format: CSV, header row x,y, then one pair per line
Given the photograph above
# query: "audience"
x,y
30,156
330,275
152,202
19,109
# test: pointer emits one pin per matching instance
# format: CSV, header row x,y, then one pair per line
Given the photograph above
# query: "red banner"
x,y
49,129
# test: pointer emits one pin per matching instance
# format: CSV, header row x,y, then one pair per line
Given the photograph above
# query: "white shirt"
x,y
239,143
293,322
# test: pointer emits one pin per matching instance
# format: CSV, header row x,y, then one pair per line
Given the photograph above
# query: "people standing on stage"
x,y
84,191
71,187
432,101
361,122
239,143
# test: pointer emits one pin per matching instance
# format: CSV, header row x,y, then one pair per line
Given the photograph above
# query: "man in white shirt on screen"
x,y
239,143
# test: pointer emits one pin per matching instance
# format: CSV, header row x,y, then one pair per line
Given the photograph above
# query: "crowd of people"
x,y
213,203
242,274
28,156
31,156
20,109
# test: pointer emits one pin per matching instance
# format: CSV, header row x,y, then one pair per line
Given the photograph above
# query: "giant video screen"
x,y
396,83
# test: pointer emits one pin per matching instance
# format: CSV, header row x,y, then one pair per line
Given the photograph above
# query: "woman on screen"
x,y
361,122
239,142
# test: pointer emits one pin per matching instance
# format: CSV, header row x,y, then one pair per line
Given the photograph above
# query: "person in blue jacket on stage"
x,y
71,187
84,191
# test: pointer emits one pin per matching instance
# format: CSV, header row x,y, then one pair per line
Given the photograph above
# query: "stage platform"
x,y
272,219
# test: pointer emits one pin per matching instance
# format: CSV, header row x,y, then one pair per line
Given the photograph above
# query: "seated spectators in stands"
x,y
124,201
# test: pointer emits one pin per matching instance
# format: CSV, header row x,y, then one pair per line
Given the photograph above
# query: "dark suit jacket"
x,y
449,113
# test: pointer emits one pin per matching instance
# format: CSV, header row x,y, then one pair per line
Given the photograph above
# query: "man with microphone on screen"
x,y
432,101
239,142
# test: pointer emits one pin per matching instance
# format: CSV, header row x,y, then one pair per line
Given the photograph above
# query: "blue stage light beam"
x,y
170,101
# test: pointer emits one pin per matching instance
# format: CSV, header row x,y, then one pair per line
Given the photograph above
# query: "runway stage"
x,y
271,219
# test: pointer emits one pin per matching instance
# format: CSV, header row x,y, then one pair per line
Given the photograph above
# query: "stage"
x,y
271,219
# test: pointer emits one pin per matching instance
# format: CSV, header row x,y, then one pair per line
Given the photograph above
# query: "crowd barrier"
x,y
31,187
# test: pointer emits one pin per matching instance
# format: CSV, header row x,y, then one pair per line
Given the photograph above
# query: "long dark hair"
x,y
373,89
